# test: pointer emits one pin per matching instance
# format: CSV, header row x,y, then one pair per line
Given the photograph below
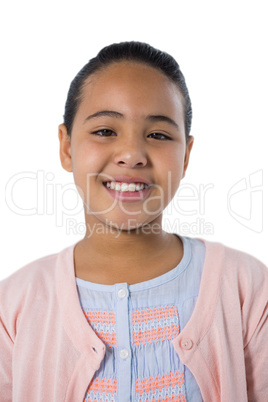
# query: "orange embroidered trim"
x,y
158,383
173,398
155,335
103,386
154,325
107,338
101,318
154,314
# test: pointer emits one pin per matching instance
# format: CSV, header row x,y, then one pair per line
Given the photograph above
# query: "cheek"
x,y
87,158
85,166
172,166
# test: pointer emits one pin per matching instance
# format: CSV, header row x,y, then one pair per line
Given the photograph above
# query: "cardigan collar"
x,y
74,321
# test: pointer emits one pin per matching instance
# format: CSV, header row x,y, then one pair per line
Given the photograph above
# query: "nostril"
x,y
94,349
128,163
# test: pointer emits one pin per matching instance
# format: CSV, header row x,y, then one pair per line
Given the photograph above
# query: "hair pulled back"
x,y
130,51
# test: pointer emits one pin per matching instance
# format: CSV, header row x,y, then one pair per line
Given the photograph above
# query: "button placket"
x,y
123,342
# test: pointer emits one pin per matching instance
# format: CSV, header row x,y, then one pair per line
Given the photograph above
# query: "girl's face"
x,y
127,151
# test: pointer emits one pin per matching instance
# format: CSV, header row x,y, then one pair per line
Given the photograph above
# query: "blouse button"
x,y
124,353
122,293
186,343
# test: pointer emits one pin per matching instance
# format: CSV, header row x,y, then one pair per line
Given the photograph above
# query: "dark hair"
x,y
131,51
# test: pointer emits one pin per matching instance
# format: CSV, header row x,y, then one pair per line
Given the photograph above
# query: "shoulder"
x,y
234,275
240,281
33,281
28,283
231,262
233,290
35,270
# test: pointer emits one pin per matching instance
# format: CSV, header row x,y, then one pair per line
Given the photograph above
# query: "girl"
x,y
132,313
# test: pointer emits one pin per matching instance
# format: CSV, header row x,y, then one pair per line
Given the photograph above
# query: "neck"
x,y
118,243
126,256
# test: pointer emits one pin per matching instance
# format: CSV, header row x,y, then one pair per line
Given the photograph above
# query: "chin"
x,y
132,224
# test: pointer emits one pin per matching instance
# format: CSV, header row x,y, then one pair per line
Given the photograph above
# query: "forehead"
x,y
133,87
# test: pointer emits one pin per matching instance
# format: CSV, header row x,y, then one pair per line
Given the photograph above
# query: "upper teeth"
x,y
114,185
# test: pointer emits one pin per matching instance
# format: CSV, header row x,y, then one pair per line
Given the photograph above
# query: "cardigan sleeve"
x,y
6,347
256,361
8,325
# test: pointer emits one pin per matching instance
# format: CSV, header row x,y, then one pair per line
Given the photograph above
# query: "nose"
x,y
131,154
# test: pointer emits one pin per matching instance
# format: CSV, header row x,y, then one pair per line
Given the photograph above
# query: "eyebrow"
x,y
156,118
153,118
109,113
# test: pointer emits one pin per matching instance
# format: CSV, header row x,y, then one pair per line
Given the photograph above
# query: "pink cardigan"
x,y
50,353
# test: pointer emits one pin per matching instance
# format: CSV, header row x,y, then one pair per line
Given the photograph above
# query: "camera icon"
x,y
245,201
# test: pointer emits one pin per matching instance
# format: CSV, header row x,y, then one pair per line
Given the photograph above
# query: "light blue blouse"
x,y
137,324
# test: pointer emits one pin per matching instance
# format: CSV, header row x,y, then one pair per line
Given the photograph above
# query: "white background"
x,y
221,47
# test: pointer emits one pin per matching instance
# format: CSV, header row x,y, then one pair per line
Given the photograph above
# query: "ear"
x,y
189,145
65,148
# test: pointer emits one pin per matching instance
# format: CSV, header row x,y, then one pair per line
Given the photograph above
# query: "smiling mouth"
x,y
125,187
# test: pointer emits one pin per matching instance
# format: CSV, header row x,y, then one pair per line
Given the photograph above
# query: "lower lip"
x,y
130,196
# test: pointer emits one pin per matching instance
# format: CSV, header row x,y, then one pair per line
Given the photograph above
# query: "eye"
x,y
159,136
104,133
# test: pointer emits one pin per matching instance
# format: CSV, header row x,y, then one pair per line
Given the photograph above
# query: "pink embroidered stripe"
x,y
179,398
148,336
103,386
102,317
103,323
140,316
107,338
158,383
154,325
